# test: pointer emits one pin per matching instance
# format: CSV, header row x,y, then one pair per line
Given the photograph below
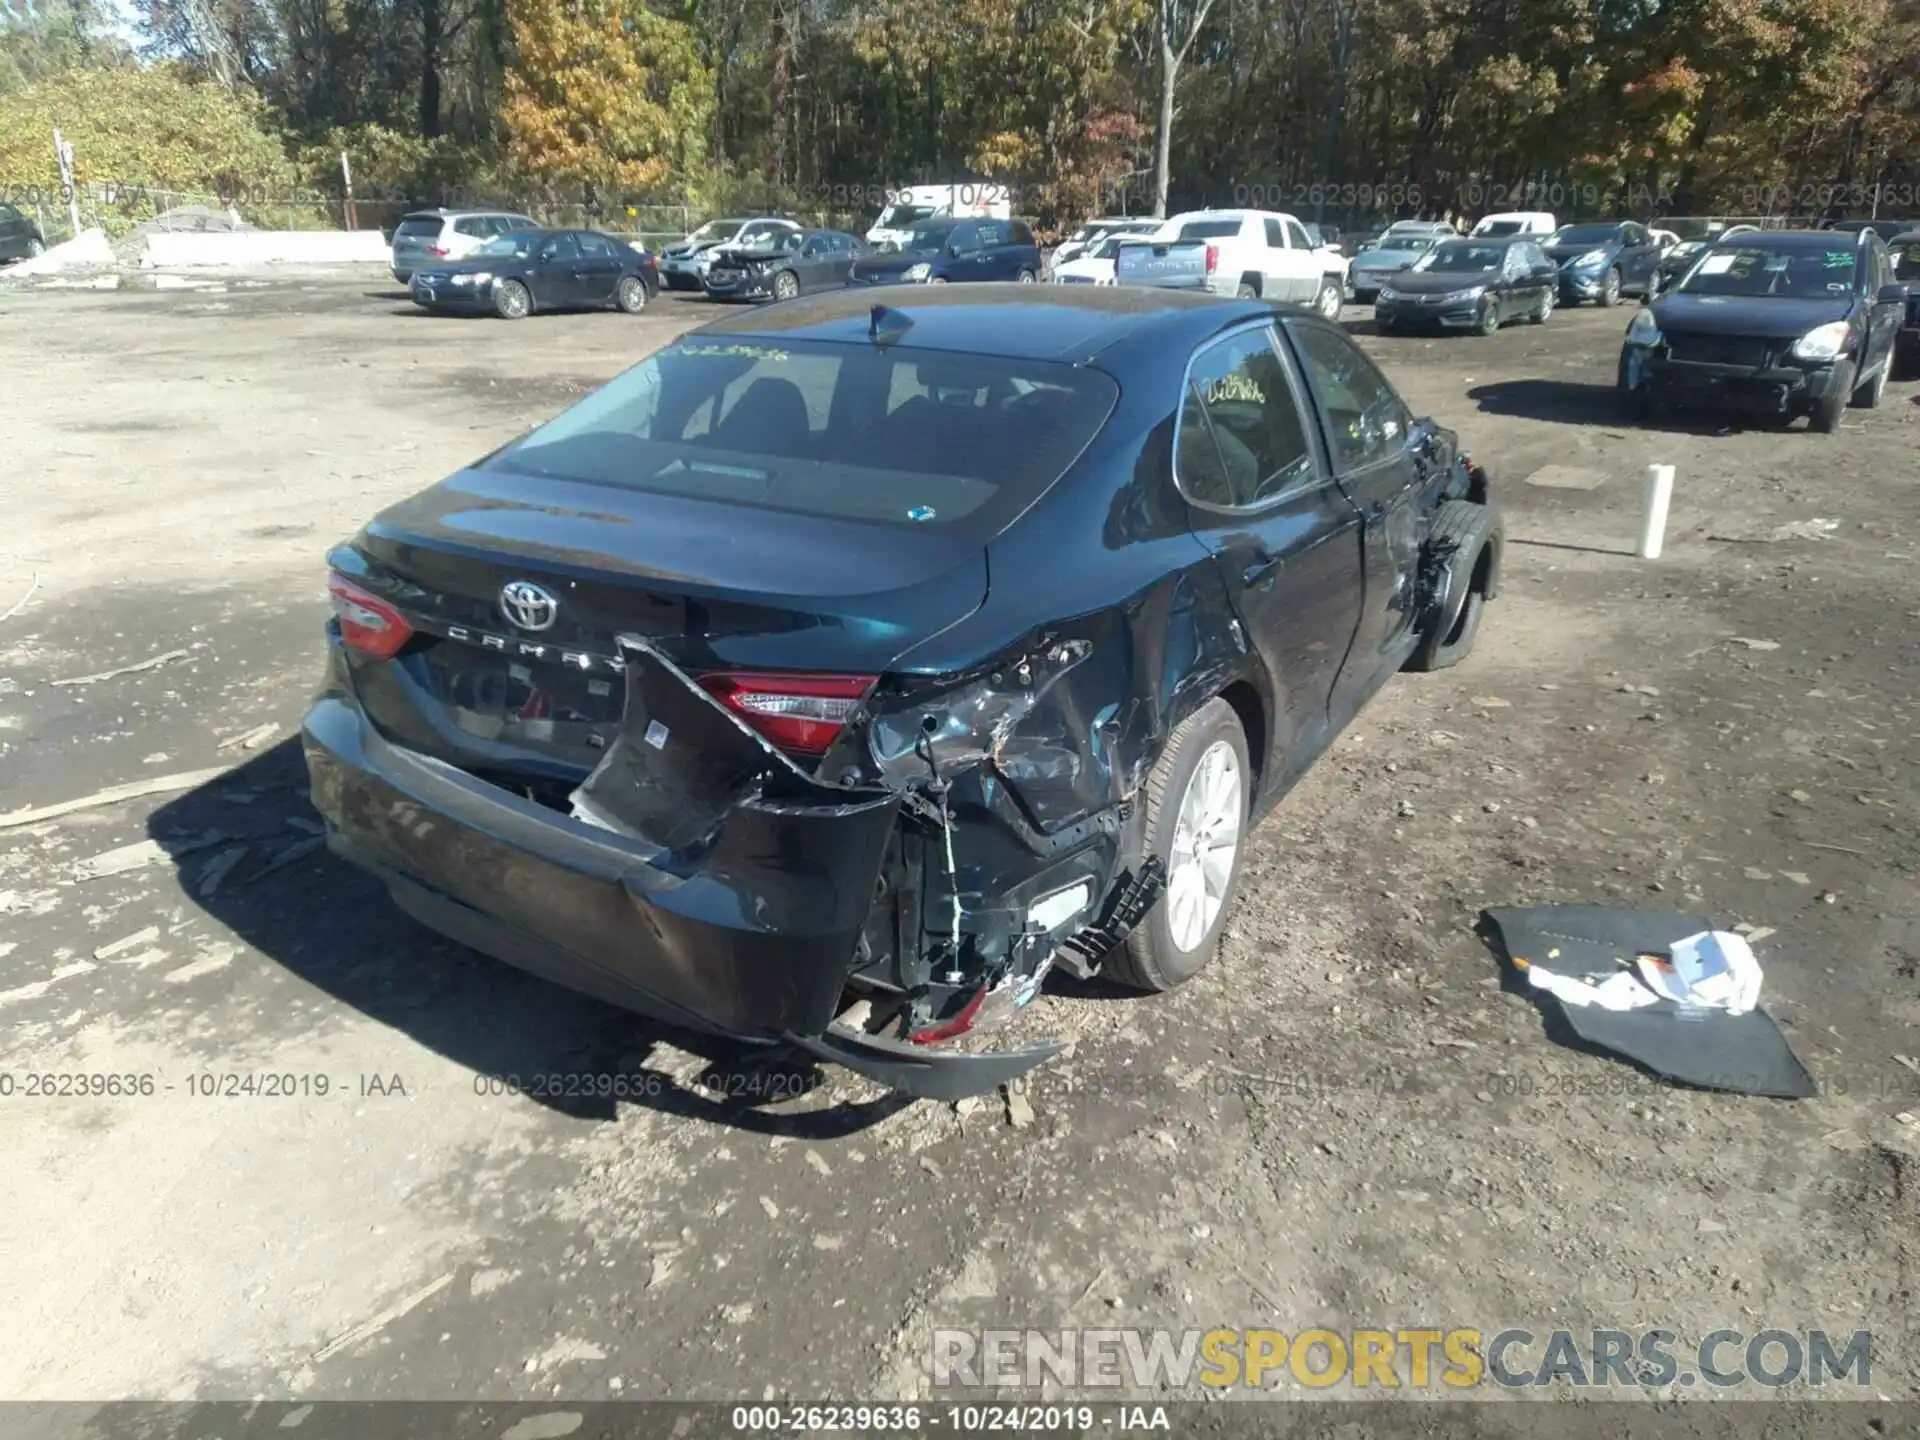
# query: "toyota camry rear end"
x,y
624,703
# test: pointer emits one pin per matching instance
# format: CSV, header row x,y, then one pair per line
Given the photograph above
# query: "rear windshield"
x,y
1500,227
419,227
1209,229
1752,270
893,436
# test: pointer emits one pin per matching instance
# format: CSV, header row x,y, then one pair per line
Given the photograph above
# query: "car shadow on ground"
x,y
334,927
1573,402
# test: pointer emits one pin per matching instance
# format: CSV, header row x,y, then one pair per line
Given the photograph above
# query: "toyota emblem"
x,y
528,605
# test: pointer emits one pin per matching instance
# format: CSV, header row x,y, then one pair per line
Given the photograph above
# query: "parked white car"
x,y
439,237
1516,222
1094,264
1079,244
1252,253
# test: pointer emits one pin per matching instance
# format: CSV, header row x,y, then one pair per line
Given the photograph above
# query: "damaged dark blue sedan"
x,y
834,675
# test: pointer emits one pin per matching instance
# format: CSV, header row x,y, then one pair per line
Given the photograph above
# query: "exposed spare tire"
x,y
1460,555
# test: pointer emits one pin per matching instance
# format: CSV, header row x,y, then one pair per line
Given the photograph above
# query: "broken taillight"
x,y
951,1029
439,252
367,623
801,714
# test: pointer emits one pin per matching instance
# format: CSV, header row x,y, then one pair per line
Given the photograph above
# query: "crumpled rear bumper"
x,y
741,918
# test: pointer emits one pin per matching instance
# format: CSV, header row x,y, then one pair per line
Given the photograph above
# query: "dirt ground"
x,y
1345,1121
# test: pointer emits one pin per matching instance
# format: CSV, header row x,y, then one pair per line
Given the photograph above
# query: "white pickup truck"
x,y
1253,253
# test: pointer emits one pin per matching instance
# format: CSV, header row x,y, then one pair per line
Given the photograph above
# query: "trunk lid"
x,y
713,586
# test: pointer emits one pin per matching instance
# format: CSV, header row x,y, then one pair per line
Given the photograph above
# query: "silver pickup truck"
x,y
1249,253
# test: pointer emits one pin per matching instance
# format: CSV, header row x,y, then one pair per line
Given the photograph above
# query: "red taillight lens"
x,y
1213,258
799,713
367,623
439,252
951,1029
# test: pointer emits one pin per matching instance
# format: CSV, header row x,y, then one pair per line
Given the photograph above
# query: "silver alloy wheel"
x,y
1330,301
632,296
785,286
1610,288
35,247
1546,306
1026,277
513,300
1206,840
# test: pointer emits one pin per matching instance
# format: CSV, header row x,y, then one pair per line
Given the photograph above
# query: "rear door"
x,y
1283,534
1883,320
13,233
552,276
1638,256
1303,264
1367,431
598,269
970,259
998,261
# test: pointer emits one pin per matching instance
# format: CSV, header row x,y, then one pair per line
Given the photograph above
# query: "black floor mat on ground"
x,y
1712,1050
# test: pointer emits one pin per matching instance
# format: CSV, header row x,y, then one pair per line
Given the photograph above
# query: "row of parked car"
x,y
1784,323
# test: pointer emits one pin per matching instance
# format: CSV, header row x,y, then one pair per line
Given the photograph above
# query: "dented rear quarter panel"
x,y
1139,587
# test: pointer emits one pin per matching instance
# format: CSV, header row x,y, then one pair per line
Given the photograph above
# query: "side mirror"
x,y
1893,294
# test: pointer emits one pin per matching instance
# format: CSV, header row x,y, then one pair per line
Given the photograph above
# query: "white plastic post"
x,y
1653,524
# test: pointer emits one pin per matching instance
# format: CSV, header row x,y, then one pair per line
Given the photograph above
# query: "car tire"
x,y
1636,400
1460,527
1247,291
631,294
938,280
786,285
1544,310
1026,277
1330,301
36,247
1826,411
1489,321
1867,396
1609,295
1153,957
512,301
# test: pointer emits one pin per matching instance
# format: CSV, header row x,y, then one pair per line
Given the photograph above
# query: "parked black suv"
x,y
20,238
1778,323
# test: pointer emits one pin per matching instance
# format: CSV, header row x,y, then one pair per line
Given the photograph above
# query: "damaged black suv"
x,y
847,660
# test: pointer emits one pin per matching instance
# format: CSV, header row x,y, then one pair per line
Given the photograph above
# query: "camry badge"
x,y
528,605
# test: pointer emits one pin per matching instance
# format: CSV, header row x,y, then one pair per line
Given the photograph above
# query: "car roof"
x,y
1063,323
1796,239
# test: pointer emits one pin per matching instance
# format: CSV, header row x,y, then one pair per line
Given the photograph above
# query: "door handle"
x,y
1261,571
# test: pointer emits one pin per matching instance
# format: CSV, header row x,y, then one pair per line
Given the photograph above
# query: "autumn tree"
x,y
604,93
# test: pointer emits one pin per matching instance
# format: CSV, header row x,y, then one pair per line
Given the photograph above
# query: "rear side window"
x,y
1241,439
1021,234
1276,237
471,225
1366,419
956,443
